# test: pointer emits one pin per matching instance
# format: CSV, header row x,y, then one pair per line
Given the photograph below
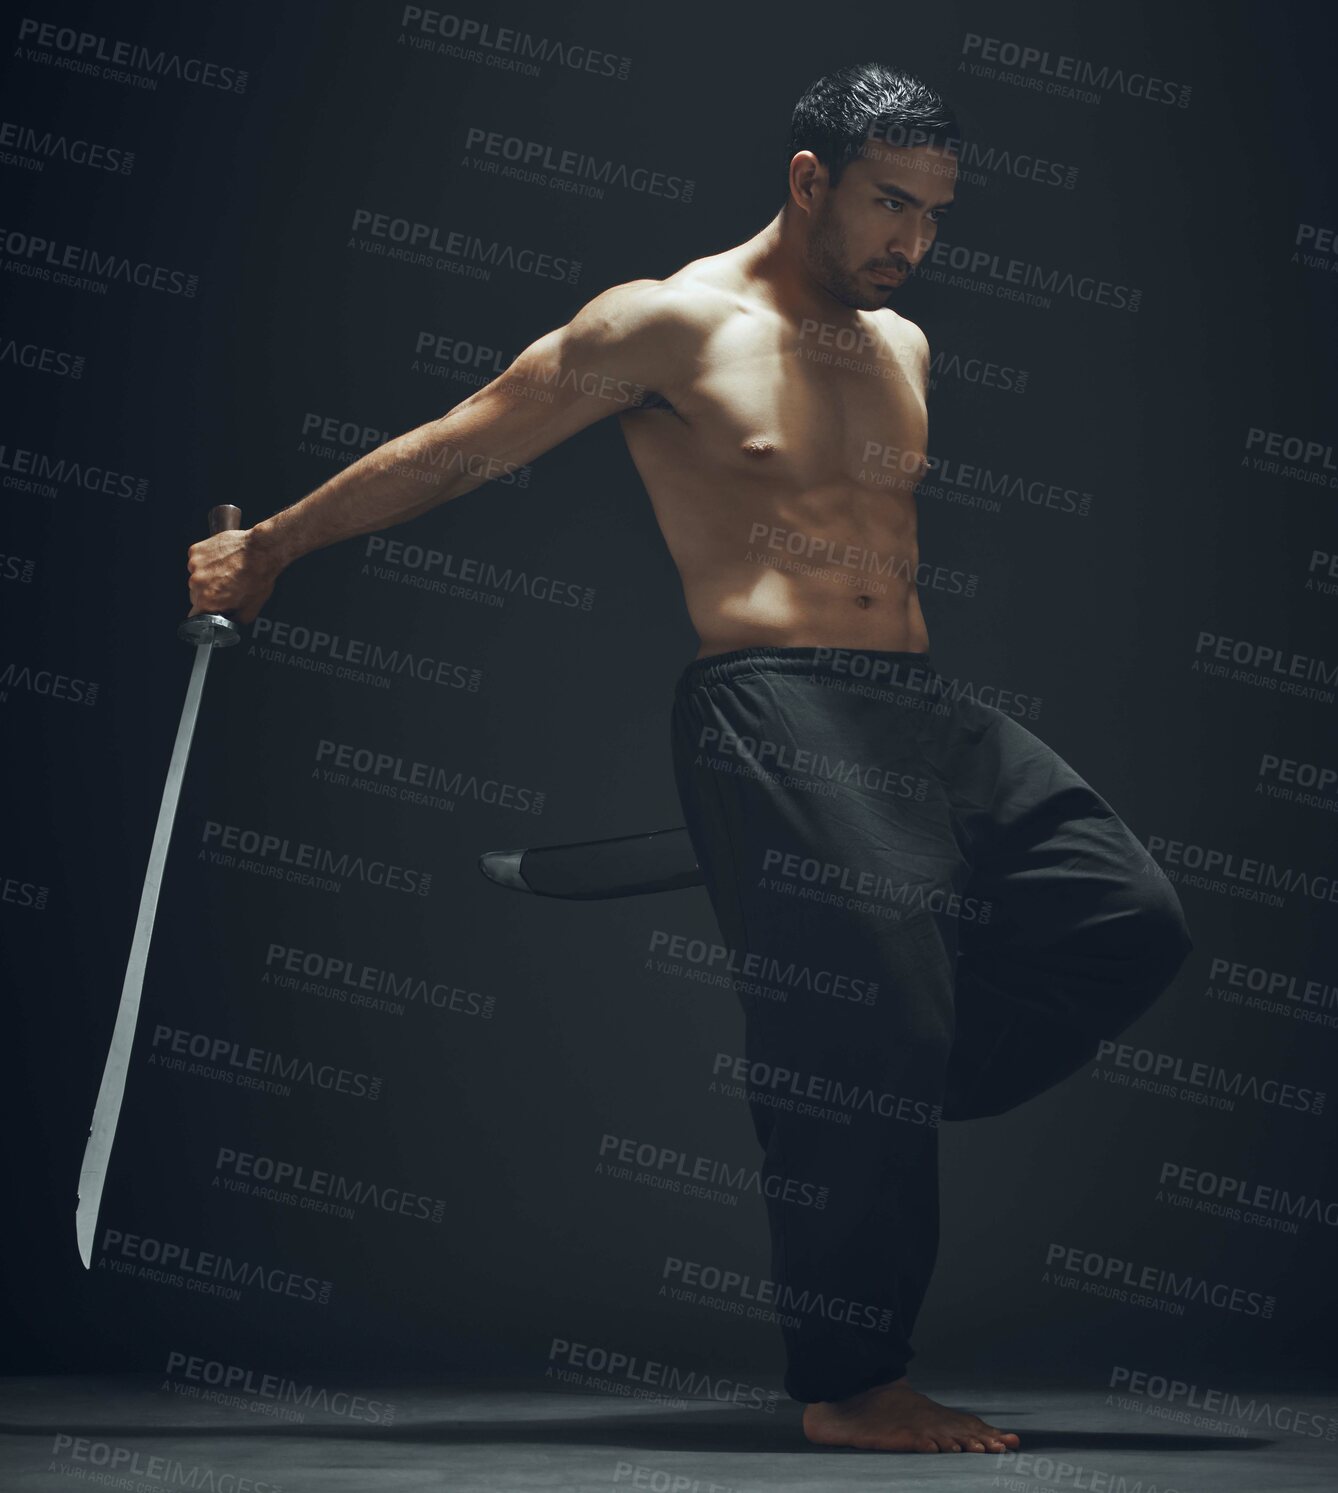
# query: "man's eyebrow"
x,y
889,186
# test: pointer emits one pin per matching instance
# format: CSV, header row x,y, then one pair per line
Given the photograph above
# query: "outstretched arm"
x,y
599,363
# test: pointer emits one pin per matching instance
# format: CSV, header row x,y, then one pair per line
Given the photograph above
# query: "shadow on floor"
x,y
708,1430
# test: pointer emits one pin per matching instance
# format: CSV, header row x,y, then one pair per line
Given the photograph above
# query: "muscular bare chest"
x,y
811,408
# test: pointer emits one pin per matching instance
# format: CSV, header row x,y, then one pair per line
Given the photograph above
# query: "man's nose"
x,y
911,239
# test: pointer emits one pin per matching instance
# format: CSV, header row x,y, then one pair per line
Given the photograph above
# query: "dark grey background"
x,y
1097,616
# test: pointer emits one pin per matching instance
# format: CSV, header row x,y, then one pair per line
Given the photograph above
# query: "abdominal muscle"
x,y
799,617
831,567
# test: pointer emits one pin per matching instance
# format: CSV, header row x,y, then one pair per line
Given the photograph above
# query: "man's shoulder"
x,y
690,301
910,343
902,329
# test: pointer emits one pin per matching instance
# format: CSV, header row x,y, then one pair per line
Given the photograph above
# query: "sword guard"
x,y
210,628
213,629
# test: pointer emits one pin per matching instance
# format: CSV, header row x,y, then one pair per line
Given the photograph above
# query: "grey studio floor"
x,y
104,1432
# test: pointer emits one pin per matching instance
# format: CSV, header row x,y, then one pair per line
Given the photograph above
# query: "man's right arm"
x,y
620,343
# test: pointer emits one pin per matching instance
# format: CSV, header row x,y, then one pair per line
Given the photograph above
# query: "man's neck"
x,y
773,263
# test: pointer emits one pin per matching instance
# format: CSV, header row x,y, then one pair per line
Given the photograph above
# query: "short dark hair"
x,y
841,111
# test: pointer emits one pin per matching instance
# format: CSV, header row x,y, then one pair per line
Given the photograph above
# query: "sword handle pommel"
x,y
224,516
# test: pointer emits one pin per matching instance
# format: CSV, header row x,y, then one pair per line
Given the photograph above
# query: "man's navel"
x,y
758,446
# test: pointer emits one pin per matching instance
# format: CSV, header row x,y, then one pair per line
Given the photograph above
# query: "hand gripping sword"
x,y
207,631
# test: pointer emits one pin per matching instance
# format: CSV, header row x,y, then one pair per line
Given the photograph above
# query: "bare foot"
x,y
896,1418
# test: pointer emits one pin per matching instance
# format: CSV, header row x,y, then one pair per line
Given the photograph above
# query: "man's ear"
x,y
808,178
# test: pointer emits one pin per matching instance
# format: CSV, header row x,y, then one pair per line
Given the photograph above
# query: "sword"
x,y
207,631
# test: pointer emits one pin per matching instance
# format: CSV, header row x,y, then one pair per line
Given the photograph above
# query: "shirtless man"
x,y
1003,914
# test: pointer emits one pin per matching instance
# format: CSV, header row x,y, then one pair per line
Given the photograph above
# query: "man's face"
x,y
867,234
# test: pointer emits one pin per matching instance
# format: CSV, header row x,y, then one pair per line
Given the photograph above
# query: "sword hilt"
x,y
212,628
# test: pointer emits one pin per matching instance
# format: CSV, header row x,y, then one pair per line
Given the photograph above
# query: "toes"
x,y
974,1444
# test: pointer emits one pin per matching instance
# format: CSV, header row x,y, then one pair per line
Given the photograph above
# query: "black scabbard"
x,y
662,860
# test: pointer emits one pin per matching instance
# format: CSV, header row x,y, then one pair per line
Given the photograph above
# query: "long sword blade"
x,y
107,1111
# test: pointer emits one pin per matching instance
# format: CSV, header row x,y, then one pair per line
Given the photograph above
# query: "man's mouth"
x,y
889,276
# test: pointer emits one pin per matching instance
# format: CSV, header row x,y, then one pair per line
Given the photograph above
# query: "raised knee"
x,y
1162,934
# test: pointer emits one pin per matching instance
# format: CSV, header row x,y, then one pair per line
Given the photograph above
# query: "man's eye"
x,y
890,202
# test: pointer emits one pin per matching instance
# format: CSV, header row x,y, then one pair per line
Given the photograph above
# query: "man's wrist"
x,y
272,543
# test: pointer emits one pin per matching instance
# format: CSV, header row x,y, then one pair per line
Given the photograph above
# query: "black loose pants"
x,y
931,916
